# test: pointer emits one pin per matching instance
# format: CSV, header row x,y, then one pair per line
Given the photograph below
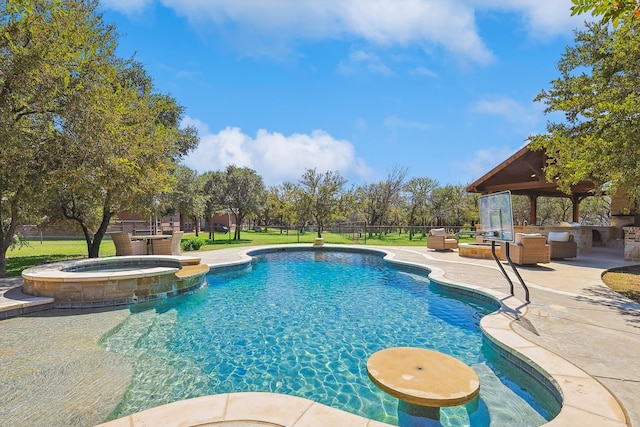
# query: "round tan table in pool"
x,y
423,377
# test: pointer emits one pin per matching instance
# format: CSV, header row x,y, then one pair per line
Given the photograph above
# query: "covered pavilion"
x,y
523,174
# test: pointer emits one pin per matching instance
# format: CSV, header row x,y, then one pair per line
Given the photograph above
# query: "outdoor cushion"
x,y
438,232
520,236
558,236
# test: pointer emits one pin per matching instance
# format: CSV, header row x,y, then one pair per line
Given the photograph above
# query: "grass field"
x,y
35,252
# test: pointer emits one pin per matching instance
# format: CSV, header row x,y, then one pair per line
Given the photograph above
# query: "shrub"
x,y
191,244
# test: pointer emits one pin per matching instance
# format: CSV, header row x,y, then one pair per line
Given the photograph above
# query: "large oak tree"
x,y
615,11
44,47
598,92
117,146
83,134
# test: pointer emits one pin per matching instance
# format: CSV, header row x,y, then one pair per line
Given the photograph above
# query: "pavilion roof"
x,y
523,174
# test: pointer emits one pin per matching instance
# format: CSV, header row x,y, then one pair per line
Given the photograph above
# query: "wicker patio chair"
x,y
126,246
527,249
439,240
168,246
562,245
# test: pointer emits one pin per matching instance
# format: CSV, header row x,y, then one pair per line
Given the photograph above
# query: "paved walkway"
x,y
572,313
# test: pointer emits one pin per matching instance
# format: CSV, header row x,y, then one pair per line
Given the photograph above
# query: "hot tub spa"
x,y
113,281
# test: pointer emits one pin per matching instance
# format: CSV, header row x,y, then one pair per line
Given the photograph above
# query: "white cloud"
x,y
422,71
128,7
361,59
395,122
273,27
265,26
274,156
507,108
481,162
541,18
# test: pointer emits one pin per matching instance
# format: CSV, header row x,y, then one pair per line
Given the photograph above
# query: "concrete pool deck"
x,y
572,314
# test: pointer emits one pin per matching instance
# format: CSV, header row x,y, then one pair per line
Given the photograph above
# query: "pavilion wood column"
x,y
575,200
533,208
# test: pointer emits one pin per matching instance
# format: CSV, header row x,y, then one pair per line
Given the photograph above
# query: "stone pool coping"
x,y
585,401
57,271
268,409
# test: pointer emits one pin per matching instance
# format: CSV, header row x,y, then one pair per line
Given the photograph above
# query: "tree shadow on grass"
x,y
219,243
15,265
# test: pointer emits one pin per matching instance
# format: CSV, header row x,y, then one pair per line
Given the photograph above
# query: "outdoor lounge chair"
x,y
439,240
527,249
126,246
168,246
562,245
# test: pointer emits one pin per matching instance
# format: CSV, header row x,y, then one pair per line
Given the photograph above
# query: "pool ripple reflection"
x,y
304,325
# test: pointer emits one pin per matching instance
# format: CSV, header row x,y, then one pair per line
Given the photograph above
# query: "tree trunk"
x,y
94,250
210,225
3,260
239,218
7,238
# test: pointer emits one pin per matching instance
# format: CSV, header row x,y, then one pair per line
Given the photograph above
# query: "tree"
x,y
595,211
376,199
187,195
418,191
321,194
554,210
117,145
282,199
244,194
599,93
627,11
452,205
44,46
213,185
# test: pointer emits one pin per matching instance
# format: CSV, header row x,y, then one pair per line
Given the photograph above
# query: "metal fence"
x,y
359,231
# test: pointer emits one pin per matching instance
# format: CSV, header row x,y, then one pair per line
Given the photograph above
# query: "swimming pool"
x,y
304,323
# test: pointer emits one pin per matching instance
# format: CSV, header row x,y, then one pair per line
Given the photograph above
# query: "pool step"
x,y
192,270
144,342
125,337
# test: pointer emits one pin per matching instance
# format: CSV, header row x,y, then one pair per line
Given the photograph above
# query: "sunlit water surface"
x,y
305,323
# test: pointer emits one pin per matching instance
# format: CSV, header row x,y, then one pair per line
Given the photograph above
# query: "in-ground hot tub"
x,y
112,281
477,250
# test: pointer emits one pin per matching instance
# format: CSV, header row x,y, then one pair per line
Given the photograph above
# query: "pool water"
x,y
305,323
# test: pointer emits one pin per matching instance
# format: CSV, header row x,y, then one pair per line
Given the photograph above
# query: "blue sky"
x,y
443,88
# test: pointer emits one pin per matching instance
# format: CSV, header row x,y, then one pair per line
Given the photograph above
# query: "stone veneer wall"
x,y
482,251
632,243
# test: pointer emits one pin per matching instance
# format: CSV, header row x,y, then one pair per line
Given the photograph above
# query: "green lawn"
x,y
36,252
